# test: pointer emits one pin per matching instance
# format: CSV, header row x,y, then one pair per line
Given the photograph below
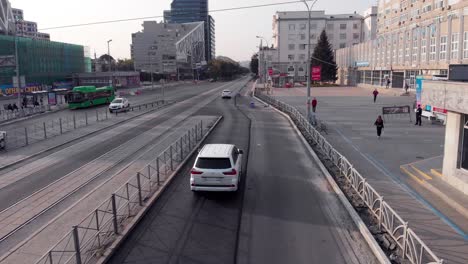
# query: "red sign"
x,y
316,73
439,110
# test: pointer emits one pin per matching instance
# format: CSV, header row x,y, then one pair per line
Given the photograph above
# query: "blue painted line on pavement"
x,y
413,193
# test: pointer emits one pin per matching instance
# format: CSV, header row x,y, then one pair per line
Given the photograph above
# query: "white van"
x,y
218,167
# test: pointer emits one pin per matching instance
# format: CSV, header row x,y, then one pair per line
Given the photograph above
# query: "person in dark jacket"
x,y
314,104
418,116
15,107
380,126
375,93
10,107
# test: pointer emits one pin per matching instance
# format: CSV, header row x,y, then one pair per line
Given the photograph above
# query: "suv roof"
x,y
216,151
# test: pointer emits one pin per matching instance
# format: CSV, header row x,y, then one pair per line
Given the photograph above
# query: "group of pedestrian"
x,y
379,123
11,107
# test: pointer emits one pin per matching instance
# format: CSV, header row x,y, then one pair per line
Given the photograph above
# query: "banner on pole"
x,y
316,73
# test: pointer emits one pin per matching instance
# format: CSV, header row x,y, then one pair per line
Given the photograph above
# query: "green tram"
x,y
87,96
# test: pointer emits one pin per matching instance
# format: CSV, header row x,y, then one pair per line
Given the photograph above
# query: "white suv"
x,y
119,104
218,167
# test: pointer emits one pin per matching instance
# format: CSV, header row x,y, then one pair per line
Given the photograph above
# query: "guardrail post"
x,y
157,169
181,150
201,129
50,257
76,240
61,129
45,131
189,140
405,239
172,163
74,121
114,213
86,117
140,198
106,115
97,226
26,135
97,116
380,213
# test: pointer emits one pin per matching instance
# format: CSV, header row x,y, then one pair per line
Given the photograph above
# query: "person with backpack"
x,y
379,123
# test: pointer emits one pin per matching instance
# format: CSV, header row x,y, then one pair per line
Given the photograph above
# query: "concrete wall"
x,y
453,97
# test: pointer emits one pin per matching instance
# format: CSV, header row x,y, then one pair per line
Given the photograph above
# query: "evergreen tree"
x,y
254,64
323,56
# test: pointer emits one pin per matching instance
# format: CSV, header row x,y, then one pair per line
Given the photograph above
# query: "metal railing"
x,y
88,240
410,245
6,115
23,136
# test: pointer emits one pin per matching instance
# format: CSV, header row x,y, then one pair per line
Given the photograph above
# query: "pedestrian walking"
x,y
418,116
375,93
314,104
388,83
380,126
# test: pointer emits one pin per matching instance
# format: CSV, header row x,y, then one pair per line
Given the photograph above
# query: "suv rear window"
x,y
213,163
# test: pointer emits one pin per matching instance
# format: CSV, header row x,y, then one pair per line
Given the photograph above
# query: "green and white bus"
x,y
87,96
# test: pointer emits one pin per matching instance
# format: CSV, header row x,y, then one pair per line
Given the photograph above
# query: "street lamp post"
x,y
110,61
309,8
18,78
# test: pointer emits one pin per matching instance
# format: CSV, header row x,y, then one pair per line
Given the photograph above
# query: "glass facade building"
x,y
186,11
41,62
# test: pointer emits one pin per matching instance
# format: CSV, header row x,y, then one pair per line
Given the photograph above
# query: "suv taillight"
x,y
232,172
194,171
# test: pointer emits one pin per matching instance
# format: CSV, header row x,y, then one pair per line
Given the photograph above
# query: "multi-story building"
x,y
41,62
415,37
7,20
27,28
171,49
187,11
290,38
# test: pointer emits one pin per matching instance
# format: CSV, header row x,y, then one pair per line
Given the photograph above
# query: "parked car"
x,y
119,104
218,167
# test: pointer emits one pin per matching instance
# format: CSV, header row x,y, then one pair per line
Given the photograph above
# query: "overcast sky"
x,y
235,30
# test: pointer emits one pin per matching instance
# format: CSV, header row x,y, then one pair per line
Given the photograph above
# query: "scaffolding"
x,y
41,61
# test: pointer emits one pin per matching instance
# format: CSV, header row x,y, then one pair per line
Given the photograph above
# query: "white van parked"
x,y
218,167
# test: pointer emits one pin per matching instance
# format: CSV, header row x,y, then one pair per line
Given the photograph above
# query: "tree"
x,y
225,69
106,59
254,64
323,56
125,65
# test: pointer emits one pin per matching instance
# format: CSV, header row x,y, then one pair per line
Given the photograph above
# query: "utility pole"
x,y
264,58
110,62
18,78
309,59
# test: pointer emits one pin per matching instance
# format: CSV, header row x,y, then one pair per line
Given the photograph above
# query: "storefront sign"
x,y
316,73
9,90
439,110
362,64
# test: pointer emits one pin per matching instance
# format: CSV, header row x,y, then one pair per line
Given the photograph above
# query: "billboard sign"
x,y
419,83
316,73
394,110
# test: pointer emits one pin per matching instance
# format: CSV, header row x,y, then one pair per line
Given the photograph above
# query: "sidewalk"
x,y
349,113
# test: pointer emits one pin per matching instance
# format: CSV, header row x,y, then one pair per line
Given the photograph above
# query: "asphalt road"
x,y
284,212
34,181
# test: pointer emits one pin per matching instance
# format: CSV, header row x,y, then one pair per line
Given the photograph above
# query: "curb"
x,y
132,225
374,246
80,137
431,188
